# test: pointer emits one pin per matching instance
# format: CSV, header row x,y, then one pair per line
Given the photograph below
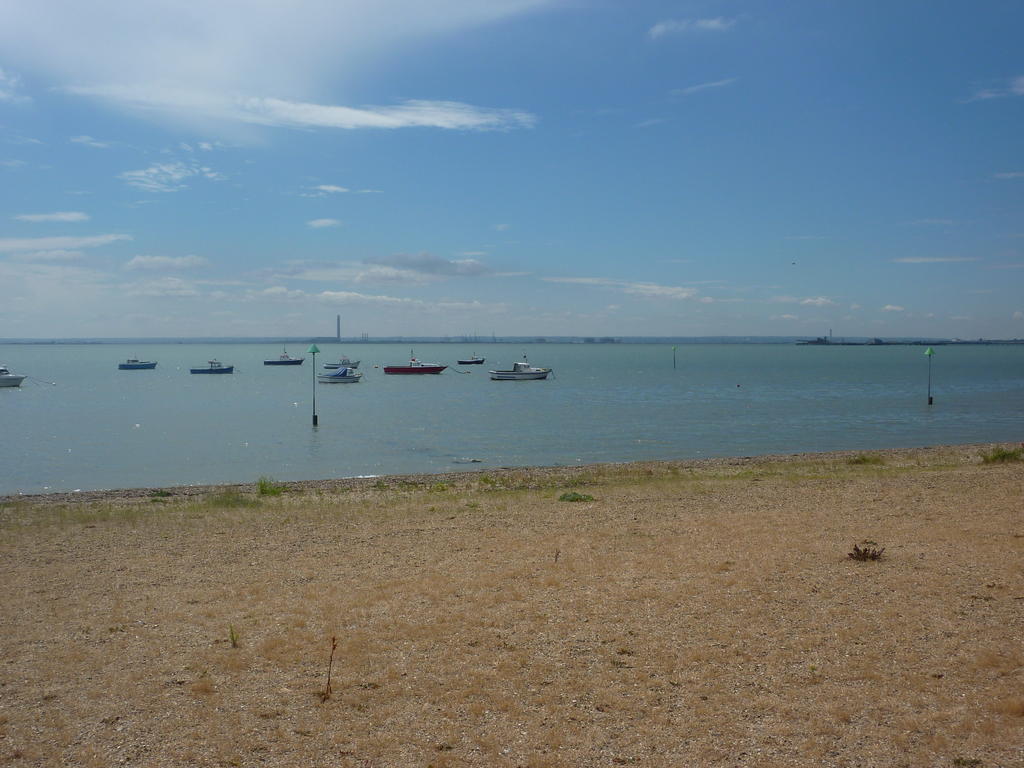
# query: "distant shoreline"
x,y
847,341
469,477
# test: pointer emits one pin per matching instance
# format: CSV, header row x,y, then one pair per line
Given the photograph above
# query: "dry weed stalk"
x,y
869,551
330,665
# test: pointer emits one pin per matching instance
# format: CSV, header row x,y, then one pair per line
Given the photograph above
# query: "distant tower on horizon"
x,y
337,328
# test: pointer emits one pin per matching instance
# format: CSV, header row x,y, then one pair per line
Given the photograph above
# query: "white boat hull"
x,y
11,380
519,375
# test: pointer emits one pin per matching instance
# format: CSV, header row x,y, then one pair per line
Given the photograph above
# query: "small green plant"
x,y
160,493
866,458
439,487
966,762
232,635
1001,455
381,485
869,551
573,496
230,498
266,486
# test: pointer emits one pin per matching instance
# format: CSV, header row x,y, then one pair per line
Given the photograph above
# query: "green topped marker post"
x,y
313,349
929,353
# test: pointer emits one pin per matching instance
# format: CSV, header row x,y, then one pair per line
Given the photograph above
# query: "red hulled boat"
x,y
415,366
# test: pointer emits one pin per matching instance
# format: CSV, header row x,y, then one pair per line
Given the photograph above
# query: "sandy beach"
x,y
672,614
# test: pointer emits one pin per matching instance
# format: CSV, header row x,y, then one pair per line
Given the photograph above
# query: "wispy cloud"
x,y
61,216
813,301
934,259
1014,86
54,256
162,286
650,123
166,262
283,294
893,308
10,87
231,62
89,141
15,244
1009,175
322,223
281,113
430,265
704,87
681,26
168,177
652,290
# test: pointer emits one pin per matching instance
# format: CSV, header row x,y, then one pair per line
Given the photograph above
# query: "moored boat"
x,y
132,364
215,366
474,360
340,376
520,372
343,363
8,379
284,359
414,366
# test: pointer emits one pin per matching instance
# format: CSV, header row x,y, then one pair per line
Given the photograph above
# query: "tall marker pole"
x,y
313,349
929,353
673,358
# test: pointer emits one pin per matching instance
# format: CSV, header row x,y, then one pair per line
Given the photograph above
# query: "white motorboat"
x,y
343,363
8,379
340,376
520,372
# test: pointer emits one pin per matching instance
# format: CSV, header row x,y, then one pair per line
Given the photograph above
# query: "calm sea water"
x,y
98,427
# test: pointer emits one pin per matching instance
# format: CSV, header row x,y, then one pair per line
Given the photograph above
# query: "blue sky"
x,y
576,167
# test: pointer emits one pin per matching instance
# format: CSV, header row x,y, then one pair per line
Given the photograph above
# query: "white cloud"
x,y
680,26
1012,87
893,308
168,177
819,301
89,141
257,63
62,216
703,87
430,265
13,163
166,262
502,227
321,223
15,244
652,290
330,189
10,85
789,317
1018,315
934,259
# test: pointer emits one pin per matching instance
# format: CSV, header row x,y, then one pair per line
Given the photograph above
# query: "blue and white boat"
x,y
132,364
8,379
284,359
215,366
340,376
343,363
